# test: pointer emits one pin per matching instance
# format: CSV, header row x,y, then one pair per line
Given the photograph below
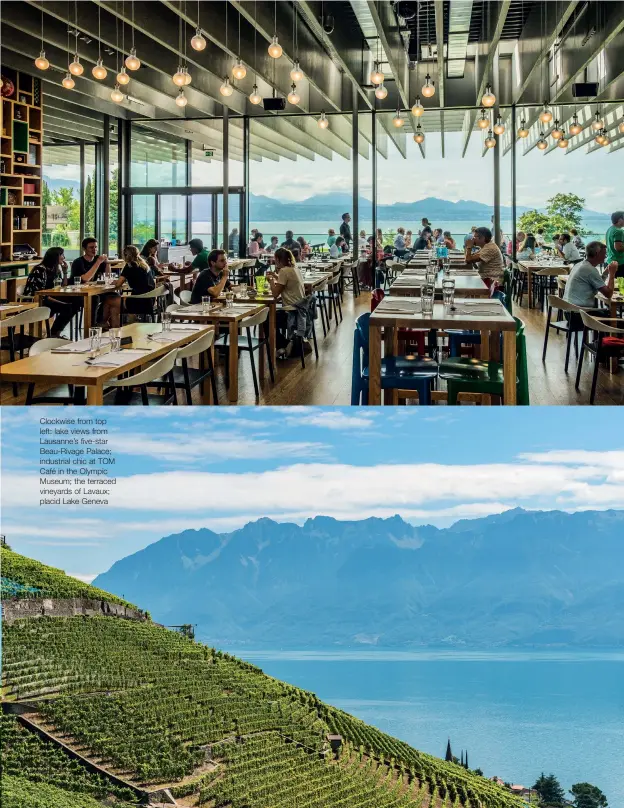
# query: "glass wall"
x,y
157,159
61,199
365,175
90,191
172,210
143,218
113,223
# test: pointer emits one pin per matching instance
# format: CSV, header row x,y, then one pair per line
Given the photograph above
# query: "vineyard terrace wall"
x,y
18,608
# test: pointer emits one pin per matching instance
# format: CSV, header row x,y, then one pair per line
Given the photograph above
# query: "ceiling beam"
x,y
389,34
493,37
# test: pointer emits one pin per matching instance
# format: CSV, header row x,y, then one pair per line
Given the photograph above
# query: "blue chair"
x,y
397,372
457,338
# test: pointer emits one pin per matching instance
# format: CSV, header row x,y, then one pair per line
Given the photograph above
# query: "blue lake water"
x,y
516,714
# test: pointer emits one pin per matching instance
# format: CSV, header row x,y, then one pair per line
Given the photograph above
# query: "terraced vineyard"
x,y
158,709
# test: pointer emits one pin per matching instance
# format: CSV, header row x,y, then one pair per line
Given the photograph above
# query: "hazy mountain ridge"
x,y
518,579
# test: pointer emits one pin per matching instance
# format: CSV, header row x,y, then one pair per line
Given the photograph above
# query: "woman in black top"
x,y
149,253
51,270
137,274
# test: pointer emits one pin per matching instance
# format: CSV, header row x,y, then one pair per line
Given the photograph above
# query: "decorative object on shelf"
x,y
19,158
12,198
22,99
8,88
18,114
23,223
2,166
29,188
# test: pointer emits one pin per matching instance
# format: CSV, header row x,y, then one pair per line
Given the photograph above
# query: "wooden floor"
x,y
328,380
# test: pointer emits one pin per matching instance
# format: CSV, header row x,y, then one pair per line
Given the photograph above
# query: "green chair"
x,y
465,375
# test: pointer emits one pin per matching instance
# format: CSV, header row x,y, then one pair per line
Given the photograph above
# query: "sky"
x,y
192,467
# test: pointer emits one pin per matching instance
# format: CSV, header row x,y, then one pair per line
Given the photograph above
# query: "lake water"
x,y
516,714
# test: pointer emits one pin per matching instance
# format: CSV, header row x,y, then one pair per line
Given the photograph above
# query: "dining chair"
x,y
185,377
569,325
159,374
21,341
65,394
250,344
185,297
607,343
157,295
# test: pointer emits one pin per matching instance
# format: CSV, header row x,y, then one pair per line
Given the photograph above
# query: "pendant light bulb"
x,y
381,92
275,49
296,74
417,109
132,62
484,121
541,143
41,62
239,71
398,121
605,138
293,95
523,131
68,82
117,96
545,115
323,122
178,78
99,71
557,132
75,68
198,42
376,76
563,141
597,123
254,96
489,99
226,88
419,135
499,126
576,127
181,99
621,127
490,140
428,90
122,76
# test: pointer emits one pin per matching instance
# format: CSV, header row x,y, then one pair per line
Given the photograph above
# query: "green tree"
x,y
550,792
588,796
89,216
65,197
532,221
565,211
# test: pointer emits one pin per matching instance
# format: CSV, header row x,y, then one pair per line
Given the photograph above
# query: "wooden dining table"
x,y
51,368
7,310
219,315
531,267
84,291
407,313
410,285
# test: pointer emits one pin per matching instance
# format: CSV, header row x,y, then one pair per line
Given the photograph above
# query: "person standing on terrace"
x,y
345,229
615,241
489,258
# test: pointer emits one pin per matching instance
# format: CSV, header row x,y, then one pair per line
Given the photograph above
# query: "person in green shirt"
x,y
615,241
200,261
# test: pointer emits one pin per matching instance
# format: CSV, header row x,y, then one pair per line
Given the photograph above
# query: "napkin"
x,y
115,360
81,346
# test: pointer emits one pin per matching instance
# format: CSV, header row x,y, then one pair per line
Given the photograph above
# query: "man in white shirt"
x,y
569,250
586,280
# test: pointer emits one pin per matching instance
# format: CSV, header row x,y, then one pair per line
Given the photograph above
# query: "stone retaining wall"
x,y
17,608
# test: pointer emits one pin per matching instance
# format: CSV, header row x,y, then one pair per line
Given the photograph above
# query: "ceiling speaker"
x,y
587,89
273,104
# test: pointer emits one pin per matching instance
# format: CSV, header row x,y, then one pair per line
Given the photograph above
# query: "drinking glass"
x,y
95,340
426,298
205,304
229,300
620,284
259,284
166,321
430,276
115,338
242,290
448,292
77,280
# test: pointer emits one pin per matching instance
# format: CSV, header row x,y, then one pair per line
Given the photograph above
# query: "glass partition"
x,y
61,199
172,210
143,218
157,159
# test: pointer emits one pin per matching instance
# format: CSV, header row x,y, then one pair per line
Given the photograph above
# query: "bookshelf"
x,y
21,130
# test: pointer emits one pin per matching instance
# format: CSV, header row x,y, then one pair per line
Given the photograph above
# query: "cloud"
x,y
85,578
331,419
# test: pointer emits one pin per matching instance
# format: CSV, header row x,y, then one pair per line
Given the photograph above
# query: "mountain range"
x,y
518,579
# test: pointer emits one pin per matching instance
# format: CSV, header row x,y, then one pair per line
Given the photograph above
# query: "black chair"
x,y
250,344
569,325
607,342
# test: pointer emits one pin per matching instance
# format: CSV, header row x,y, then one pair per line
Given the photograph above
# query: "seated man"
x,y
569,250
200,253
290,243
585,279
89,267
489,258
214,279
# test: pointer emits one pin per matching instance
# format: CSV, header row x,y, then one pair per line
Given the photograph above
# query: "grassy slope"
x,y
158,708
47,581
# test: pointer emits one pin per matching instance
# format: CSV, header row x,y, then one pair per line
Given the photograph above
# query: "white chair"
x,y
252,344
55,395
160,373
30,317
185,297
185,377
155,294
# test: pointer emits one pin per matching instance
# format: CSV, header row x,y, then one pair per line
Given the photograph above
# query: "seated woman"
x,y
304,252
286,283
335,251
149,254
449,241
52,270
438,238
253,248
408,240
137,274
331,236
527,248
